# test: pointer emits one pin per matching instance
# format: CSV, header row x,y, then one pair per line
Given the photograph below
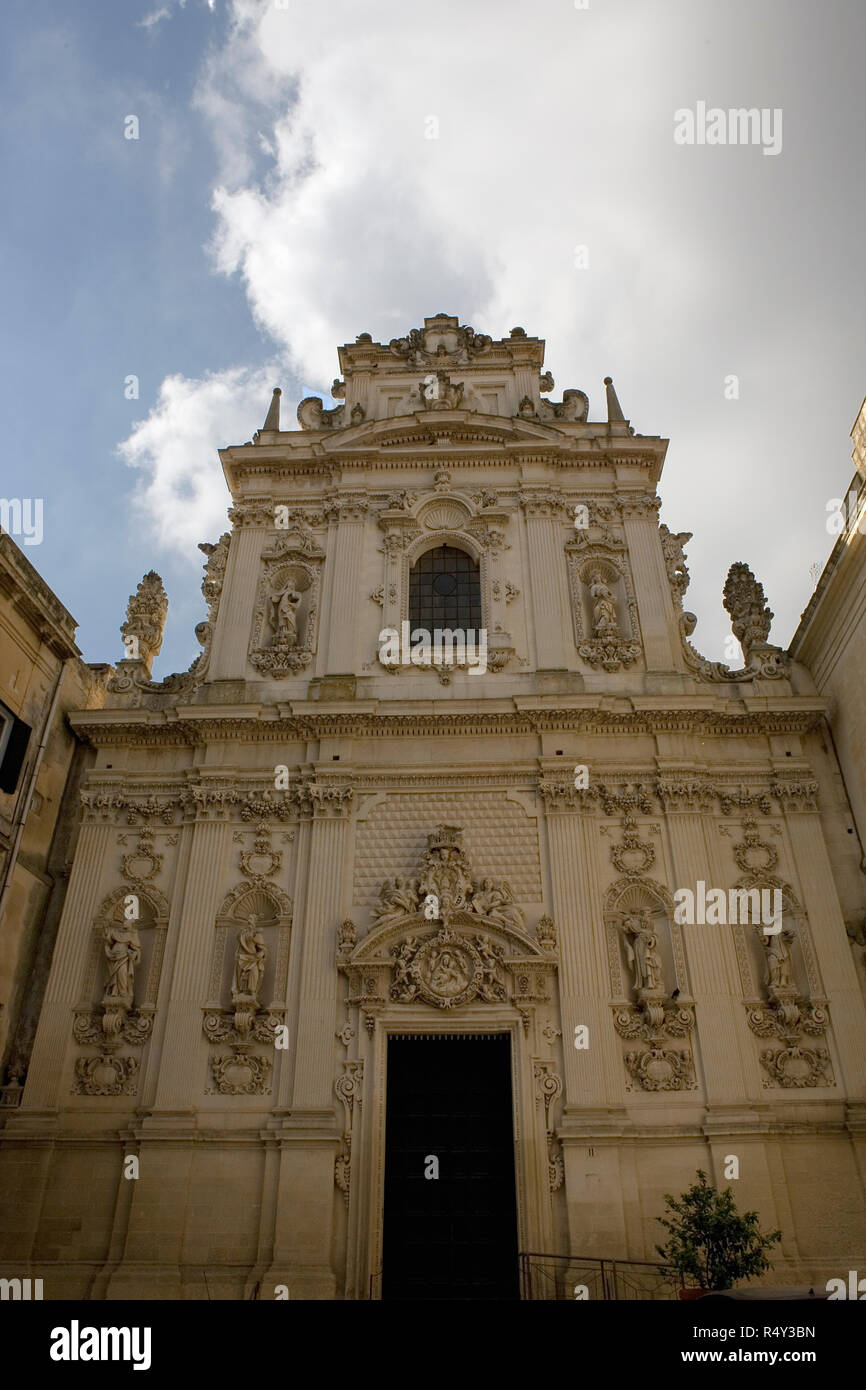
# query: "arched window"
x,y
445,590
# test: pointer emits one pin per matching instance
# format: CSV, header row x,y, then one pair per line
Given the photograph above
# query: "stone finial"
x,y
272,420
744,599
614,409
145,620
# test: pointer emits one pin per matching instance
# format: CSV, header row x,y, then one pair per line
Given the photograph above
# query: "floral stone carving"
x,y
661,1069
106,1075
447,970
240,1072
446,939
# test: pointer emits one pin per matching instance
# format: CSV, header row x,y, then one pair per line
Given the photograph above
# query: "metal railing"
x,y
567,1276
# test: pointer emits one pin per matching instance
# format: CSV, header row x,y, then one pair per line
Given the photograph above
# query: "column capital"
x,y
540,501
347,506
253,511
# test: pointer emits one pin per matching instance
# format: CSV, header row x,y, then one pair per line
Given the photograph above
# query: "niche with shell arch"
x,y
783,995
286,615
604,608
271,911
650,900
751,951
139,915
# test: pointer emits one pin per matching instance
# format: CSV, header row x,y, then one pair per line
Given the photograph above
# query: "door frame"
x,y
531,1163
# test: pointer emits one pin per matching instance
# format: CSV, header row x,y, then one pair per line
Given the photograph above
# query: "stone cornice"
x,y
38,604
200,725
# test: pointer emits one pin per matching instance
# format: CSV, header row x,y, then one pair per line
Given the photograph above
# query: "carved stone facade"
x,y
296,852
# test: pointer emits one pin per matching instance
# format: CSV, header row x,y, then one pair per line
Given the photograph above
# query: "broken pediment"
x,y
447,938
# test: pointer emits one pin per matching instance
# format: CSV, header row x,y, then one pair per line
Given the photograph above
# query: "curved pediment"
x,y
457,426
377,946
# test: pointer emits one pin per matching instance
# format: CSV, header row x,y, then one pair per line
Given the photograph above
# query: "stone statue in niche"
x,y
779,974
641,945
604,619
284,616
122,949
122,954
250,959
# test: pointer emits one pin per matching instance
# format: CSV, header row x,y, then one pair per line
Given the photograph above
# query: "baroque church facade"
x,y
370,953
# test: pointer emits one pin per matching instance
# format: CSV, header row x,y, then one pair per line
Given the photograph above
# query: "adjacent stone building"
x,y
42,678
831,642
372,954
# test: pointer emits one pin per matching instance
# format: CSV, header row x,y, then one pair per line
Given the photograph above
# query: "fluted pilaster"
x,y
180,1078
232,634
651,586
547,578
54,1034
314,1067
592,1076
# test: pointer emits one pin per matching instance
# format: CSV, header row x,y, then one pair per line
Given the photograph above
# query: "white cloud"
x,y
156,17
552,133
182,496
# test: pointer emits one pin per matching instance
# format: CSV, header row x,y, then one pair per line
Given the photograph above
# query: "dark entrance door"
x,y
455,1236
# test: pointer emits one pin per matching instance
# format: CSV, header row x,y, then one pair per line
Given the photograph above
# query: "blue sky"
x,y
282,198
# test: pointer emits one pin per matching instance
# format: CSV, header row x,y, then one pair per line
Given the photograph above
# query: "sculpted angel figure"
x,y
643,955
404,986
604,617
397,898
122,954
496,901
284,616
491,964
249,961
